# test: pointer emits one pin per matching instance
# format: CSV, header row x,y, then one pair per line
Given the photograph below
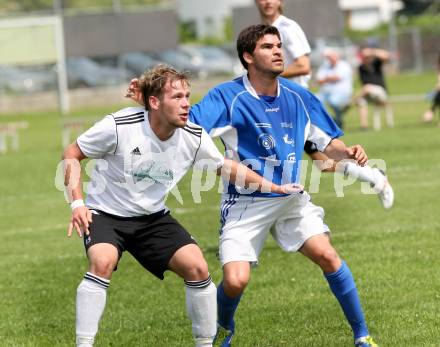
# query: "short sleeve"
x,y
345,69
211,112
100,139
296,43
208,156
322,126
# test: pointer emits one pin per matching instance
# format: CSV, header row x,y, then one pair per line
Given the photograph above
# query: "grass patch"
x,y
393,254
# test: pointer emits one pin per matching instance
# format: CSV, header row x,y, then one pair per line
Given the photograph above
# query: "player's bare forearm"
x,y
81,215
238,173
329,79
300,67
382,54
376,52
338,151
322,162
72,156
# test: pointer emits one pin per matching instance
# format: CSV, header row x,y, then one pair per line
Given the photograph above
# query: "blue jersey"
x,y
265,133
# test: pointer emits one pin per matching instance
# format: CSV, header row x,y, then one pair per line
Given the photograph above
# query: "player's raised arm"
x,y
134,92
377,53
240,174
81,215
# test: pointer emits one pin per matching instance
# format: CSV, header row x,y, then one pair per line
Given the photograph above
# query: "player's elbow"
x,y
67,153
303,64
306,69
73,151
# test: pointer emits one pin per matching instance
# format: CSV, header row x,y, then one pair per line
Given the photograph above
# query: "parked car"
x,y
213,60
26,80
201,61
182,61
84,72
136,63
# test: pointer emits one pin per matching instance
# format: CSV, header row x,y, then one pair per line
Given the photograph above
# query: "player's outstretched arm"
x,y
338,151
243,176
81,215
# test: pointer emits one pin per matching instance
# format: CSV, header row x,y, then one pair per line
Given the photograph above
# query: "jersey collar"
x,y
251,90
278,20
153,135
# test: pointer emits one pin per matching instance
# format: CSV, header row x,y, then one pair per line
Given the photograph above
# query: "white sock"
x,y
201,306
376,119
389,116
364,174
90,303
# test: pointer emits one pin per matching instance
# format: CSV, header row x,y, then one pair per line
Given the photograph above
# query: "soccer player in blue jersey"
x,y
296,50
264,121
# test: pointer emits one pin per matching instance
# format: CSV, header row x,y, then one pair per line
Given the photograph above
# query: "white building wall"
x,y
209,15
367,14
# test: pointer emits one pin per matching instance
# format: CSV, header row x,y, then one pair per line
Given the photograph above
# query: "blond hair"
x,y
153,81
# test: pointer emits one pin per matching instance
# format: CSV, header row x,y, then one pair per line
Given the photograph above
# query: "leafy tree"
x,y
416,7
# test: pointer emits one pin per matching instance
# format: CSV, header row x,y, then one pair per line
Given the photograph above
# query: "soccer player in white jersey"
x,y
144,153
265,120
296,50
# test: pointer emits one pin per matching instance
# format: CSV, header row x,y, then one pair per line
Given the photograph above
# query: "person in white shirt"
x,y
142,154
296,48
335,77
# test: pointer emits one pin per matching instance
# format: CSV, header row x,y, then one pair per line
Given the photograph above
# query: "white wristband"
x,y
77,203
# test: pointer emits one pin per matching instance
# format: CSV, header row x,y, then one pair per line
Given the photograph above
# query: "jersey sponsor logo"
x,y
291,157
136,151
154,172
288,141
272,109
263,125
267,141
287,125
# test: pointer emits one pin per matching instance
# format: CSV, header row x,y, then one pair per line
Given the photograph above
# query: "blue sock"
x,y
343,287
226,307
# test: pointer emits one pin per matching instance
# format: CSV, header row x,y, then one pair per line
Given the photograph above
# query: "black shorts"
x,y
151,239
436,101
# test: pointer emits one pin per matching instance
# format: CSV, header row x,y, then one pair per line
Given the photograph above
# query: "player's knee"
x,y
103,267
328,260
234,285
361,102
197,271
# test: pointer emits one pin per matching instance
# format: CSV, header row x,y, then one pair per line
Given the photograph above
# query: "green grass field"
x,y
393,254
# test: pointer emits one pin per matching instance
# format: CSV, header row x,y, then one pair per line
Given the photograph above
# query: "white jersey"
x,y
137,169
295,44
341,69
